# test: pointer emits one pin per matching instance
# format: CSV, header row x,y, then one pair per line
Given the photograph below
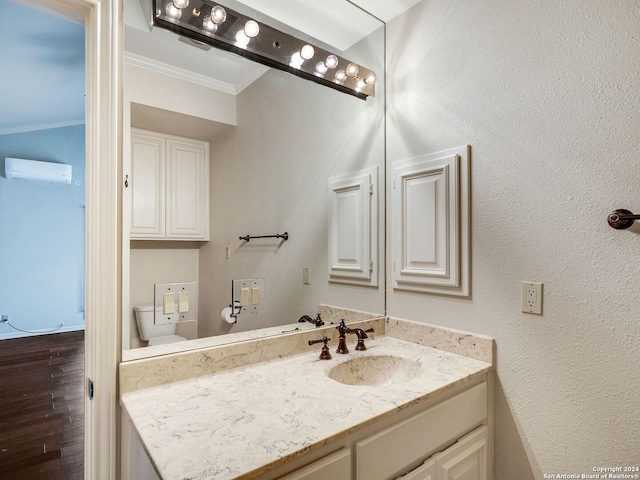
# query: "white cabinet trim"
x,y
353,228
430,223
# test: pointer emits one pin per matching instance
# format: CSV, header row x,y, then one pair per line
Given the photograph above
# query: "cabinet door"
x,y
335,466
465,460
148,186
426,471
187,190
388,453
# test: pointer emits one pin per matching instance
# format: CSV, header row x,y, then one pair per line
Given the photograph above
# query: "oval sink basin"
x,y
375,370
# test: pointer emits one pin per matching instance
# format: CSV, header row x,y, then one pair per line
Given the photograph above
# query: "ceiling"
x,y
43,59
42,80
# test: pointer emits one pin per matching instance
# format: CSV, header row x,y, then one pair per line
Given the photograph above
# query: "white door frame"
x,y
103,24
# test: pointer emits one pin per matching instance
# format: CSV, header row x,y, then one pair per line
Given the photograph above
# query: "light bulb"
x,y
351,70
321,68
361,84
218,14
371,78
251,28
241,39
331,61
296,60
181,3
207,24
340,75
307,52
172,11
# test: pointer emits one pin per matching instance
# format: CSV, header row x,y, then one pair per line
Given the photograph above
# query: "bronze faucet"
x,y
324,353
342,339
317,322
361,336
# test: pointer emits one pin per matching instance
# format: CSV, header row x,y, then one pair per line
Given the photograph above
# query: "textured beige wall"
x,y
547,95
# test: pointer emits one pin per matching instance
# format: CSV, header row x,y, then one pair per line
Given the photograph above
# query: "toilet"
x,y
152,333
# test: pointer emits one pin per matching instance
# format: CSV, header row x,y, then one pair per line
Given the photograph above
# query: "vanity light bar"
x,y
213,24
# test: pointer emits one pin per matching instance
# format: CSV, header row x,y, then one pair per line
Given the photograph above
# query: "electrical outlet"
x,y
532,297
4,319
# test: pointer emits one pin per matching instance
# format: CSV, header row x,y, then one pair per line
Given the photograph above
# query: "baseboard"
x,y
16,334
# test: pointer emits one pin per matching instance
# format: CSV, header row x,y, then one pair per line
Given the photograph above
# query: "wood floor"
x,y
42,407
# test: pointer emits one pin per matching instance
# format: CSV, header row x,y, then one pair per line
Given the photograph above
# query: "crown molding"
x,y
40,126
178,73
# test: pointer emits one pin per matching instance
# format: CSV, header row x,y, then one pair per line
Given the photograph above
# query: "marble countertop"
x,y
242,422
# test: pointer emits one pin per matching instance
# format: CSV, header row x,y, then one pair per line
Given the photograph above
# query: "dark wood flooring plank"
x,y
42,420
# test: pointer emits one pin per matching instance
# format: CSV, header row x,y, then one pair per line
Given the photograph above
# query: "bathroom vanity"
x,y
270,408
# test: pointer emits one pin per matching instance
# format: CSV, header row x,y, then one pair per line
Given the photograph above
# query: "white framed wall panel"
x,y
430,223
353,228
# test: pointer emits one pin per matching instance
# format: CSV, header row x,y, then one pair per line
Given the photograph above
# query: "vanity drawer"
x,y
334,466
389,452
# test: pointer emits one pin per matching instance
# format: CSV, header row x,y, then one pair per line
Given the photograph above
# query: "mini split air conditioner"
x,y
38,171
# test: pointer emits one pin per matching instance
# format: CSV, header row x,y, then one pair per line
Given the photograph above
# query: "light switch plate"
x,y
246,292
185,302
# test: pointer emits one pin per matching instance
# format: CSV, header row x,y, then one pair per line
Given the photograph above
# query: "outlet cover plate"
x,y
532,297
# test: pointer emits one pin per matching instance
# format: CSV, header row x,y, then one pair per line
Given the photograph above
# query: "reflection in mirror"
x,y
280,152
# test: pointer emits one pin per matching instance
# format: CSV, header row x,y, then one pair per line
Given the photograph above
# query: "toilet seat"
x,y
165,339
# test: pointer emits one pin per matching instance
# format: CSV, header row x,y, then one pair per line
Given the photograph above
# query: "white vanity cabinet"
x,y
391,451
170,187
446,441
426,471
334,466
464,460
433,426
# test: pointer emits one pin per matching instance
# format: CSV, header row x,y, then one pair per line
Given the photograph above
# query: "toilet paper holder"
x,y
229,314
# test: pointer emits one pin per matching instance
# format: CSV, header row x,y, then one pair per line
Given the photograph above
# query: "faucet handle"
x,y
324,353
360,345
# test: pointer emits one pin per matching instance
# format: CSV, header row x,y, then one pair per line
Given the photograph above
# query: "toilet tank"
x,y
146,327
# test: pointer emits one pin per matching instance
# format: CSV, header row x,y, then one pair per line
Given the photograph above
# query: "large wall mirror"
x,y
275,142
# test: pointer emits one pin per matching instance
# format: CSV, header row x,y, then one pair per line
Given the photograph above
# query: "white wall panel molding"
x,y
430,223
353,228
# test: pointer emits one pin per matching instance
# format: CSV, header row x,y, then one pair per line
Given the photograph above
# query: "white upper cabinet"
x,y
148,189
170,187
353,228
430,223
